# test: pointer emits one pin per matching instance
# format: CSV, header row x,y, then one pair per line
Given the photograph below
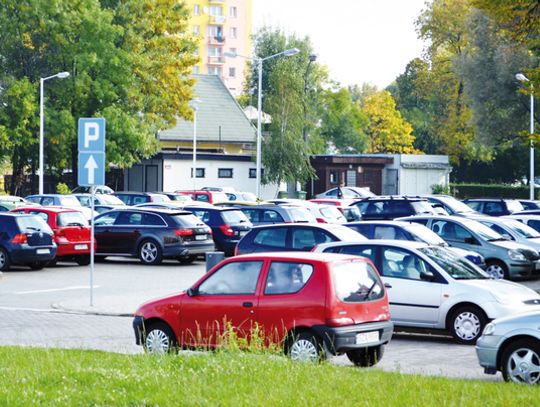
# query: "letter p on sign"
x,y
91,133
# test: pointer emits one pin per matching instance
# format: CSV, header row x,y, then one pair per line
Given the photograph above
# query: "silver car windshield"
x,y
521,229
482,230
457,267
426,235
455,205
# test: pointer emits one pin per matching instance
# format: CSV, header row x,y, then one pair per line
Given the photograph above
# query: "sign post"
x,y
91,143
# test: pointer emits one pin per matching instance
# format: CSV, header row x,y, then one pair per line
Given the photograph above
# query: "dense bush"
x,y
464,191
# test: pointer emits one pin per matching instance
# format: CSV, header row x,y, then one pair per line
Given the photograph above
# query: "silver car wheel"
x,y
303,350
2,259
149,252
523,366
467,326
157,342
495,271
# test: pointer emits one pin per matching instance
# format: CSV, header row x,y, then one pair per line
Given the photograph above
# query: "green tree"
x,y
285,152
387,131
343,122
129,62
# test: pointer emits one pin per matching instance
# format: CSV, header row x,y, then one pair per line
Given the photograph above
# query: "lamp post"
x,y
522,78
60,75
312,58
194,103
259,62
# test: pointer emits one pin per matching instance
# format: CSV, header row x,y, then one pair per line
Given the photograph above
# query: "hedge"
x,y
463,191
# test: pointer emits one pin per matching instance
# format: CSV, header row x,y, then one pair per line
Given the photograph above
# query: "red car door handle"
x,y
247,304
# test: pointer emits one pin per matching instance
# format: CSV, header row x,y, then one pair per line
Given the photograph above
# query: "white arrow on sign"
x,y
91,166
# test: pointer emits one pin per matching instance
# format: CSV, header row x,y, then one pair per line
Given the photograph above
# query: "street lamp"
x,y
60,75
194,103
522,78
259,62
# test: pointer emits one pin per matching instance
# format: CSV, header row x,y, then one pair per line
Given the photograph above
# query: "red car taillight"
x,y
183,232
60,233
19,239
339,321
226,230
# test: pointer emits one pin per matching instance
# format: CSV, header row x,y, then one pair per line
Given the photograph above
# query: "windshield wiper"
x,y
498,239
370,291
33,228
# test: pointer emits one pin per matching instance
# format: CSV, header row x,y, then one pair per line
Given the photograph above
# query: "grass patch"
x,y
76,377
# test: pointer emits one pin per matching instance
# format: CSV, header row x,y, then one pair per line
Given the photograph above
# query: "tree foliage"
x,y
387,131
128,61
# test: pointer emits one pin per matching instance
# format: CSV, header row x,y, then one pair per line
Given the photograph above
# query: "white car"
x,y
347,193
432,287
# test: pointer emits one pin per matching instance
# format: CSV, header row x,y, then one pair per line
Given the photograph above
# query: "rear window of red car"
x,y
71,219
356,281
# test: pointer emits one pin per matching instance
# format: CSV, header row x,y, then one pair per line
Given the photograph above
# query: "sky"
x,y
359,40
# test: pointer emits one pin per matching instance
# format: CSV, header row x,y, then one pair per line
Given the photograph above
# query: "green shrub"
x,y
439,189
62,188
464,191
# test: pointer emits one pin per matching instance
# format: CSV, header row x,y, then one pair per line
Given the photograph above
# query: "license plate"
x,y
200,237
367,337
43,251
81,247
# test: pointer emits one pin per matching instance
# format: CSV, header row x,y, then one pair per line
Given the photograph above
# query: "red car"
x,y
71,232
311,304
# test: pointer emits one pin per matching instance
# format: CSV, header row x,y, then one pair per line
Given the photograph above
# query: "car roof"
x,y
393,198
49,209
321,257
164,211
135,193
326,226
437,217
489,199
409,244
402,223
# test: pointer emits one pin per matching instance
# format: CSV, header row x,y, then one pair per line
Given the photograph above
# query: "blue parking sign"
x,y
91,137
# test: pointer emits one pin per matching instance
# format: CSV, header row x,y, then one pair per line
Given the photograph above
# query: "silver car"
x,y
432,287
504,258
513,230
512,345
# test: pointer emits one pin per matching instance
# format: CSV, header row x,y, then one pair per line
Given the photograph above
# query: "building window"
x,y
232,32
333,177
196,9
195,69
225,172
214,70
196,30
215,11
232,72
214,51
253,172
232,12
201,173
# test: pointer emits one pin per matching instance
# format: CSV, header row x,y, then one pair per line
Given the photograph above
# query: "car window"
x,y
139,199
84,200
129,219
494,208
234,217
150,219
475,205
272,216
362,229
301,215
123,198
388,232
238,277
356,281
352,213
497,229
451,231
535,224
274,237
306,239
42,215
34,199
400,263
453,264
71,219
106,219
47,201
349,193
29,224
372,208
514,206
202,215
400,208
287,277
202,198
187,220
252,214
420,221
355,250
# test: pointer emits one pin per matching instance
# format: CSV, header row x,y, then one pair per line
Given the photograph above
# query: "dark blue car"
x,y
228,225
152,235
25,240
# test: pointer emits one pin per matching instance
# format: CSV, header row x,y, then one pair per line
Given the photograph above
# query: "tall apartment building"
x,y
222,26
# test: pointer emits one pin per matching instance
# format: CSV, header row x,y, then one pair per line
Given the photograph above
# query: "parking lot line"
x,y
76,287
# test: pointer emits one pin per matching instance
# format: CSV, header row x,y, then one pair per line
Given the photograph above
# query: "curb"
x,y
59,307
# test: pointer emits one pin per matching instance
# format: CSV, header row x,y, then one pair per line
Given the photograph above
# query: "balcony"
x,y
219,60
218,20
215,40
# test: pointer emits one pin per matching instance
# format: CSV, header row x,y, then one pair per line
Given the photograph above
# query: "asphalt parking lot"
x,y
51,308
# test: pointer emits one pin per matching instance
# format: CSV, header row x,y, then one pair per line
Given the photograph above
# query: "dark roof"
x,y
217,107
